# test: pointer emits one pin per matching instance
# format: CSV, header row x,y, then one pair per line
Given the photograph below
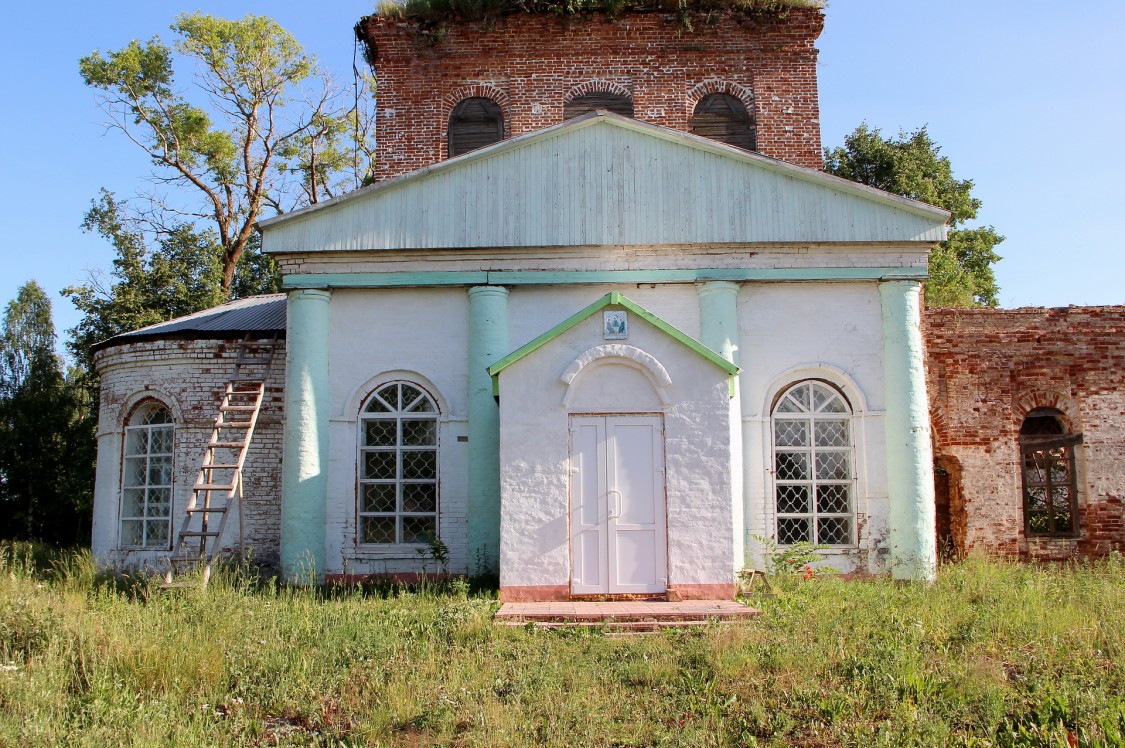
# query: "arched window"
x,y
474,123
1050,489
813,479
724,118
586,103
146,478
398,462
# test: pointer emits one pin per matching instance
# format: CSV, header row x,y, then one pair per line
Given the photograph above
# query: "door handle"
x,y
615,503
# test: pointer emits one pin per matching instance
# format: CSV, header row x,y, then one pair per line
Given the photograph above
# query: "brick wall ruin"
x,y
986,370
189,376
530,64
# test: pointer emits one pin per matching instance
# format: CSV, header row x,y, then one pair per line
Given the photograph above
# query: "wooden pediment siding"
x,y
605,182
474,123
724,118
613,102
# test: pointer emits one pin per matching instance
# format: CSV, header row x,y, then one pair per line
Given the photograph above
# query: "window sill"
x,y
392,551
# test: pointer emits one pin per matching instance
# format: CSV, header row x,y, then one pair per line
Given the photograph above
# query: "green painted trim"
x,y
910,479
304,479
614,298
558,278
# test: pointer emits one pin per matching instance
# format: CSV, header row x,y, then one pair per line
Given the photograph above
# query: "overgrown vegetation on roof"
x,y
441,11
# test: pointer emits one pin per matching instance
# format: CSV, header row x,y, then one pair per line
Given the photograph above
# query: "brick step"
x,y
612,626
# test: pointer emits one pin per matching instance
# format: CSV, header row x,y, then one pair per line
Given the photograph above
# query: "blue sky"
x,y
1026,98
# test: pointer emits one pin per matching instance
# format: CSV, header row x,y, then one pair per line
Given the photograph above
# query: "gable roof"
x,y
603,179
615,299
265,313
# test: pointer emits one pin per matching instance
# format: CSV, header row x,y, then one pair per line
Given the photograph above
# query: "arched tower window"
x,y
474,123
724,118
615,102
1050,488
146,478
398,463
813,479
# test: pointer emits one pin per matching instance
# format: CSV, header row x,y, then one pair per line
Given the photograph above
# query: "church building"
x,y
601,325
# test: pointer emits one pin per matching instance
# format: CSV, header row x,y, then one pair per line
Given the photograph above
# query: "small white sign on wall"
x,y
616,325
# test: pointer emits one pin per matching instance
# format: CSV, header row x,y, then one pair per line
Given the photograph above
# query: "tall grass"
x,y
993,654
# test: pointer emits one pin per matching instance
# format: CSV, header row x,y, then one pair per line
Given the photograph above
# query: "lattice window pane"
x,y
136,441
380,465
1036,498
160,471
834,530
132,502
832,466
156,532
379,432
791,433
418,529
419,497
161,441
422,405
419,433
156,415
378,497
792,466
159,502
135,472
1038,522
419,464
793,530
832,433
833,499
398,467
1060,497
132,532
793,499
377,529
1064,522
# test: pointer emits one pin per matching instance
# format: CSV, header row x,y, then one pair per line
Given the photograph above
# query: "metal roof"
x,y
264,313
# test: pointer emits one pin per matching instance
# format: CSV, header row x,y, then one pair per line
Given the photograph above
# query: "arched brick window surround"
x,y
595,87
475,90
719,86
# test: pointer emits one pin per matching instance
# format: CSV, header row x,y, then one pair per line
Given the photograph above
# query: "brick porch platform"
x,y
633,615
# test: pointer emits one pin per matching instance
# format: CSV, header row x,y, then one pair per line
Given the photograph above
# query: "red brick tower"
x,y
748,79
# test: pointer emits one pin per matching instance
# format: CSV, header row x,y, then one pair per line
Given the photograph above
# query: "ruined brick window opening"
x,y
608,100
474,123
398,459
1050,487
146,478
814,484
723,117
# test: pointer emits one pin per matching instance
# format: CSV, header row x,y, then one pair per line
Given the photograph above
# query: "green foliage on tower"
x,y
961,272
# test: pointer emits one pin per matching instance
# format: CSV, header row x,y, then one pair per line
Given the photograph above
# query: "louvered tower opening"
x,y
614,102
474,123
724,118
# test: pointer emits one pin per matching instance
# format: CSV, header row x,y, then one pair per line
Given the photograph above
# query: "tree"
x,y
961,267
46,443
279,145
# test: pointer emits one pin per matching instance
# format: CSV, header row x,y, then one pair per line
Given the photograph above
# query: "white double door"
x,y
618,537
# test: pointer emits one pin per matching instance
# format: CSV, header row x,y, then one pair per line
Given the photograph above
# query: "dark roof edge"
x,y
125,338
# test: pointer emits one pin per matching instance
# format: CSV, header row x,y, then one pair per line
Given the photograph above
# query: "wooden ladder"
x,y
218,485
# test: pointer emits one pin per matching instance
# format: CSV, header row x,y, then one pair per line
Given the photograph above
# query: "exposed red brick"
x,y
531,63
986,369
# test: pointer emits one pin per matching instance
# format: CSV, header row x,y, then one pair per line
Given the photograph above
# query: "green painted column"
x,y
910,467
304,475
488,343
718,330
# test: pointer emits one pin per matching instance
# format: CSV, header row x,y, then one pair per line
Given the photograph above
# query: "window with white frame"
x,y
146,478
814,485
398,458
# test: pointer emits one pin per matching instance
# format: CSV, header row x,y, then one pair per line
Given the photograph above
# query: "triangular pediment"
x,y
612,300
603,180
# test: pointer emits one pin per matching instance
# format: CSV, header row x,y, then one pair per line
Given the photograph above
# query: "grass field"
x,y
993,654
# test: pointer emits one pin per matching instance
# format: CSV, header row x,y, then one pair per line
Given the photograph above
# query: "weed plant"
x,y
993,654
